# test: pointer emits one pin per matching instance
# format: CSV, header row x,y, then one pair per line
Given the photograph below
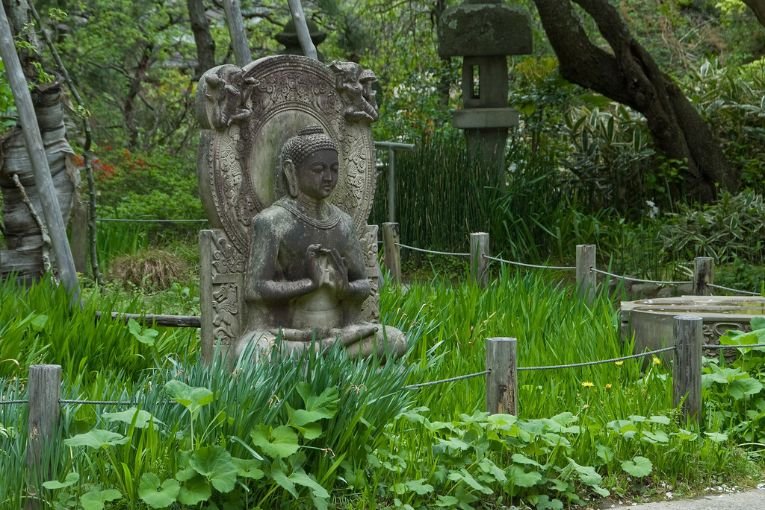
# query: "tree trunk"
x,y
758,7
26,232
128,109
235,24
628,74
445,80
202,38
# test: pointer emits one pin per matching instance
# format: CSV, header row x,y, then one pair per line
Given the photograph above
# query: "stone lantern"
x,y
484,33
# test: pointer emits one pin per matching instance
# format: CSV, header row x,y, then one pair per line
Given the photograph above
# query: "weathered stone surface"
x,y
252,112
476,29
479,118
292,254
651,320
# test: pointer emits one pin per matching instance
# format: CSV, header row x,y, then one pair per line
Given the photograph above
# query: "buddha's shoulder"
x,y
345,218
272,214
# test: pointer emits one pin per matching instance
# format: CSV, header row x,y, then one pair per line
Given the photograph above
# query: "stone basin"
x,y
651,320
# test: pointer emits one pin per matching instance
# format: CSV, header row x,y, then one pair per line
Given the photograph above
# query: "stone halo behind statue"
x,y
305,277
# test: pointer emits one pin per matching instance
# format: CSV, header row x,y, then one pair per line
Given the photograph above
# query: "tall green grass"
x,y
386,442
37,325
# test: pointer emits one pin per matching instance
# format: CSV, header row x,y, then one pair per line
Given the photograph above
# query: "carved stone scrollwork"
x,y
226,258
225,92
354,84
252,111
714,330
226,308
370,309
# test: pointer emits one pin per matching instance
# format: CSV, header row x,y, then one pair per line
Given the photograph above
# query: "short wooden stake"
x,y
686,372
502,376
586,279
479,265
392,251
44,394
703,275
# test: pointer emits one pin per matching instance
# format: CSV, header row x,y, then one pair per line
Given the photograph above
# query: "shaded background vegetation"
x,y
581,168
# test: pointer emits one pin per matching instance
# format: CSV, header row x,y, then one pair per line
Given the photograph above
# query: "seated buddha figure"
x,y
305,279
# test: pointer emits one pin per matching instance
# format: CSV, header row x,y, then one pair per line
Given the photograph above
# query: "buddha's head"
x,y
310,164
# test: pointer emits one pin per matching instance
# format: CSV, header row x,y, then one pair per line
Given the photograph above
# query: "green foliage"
x,y
7,103
731,229
32,328
735,394
730,98
309,431
440,194
134,187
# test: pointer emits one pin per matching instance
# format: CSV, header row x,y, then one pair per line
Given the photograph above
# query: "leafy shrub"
x,y
153,186
730,229
730,99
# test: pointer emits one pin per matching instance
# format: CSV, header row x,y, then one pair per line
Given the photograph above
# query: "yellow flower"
x,y
587,384
656,360
608,386
618,363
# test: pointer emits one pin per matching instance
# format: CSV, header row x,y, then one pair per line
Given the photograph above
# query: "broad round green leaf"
x,y
96,438
156,494
637,467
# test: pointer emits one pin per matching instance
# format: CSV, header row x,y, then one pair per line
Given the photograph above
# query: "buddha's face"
x,y
317,174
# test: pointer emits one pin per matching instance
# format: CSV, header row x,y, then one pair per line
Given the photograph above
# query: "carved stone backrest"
x,y
247,115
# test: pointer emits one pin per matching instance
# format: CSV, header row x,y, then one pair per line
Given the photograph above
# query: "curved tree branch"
x,y
630,76
758,7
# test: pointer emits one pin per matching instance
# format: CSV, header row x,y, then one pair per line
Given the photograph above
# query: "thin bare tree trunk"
x,y
301,27
235,24
90,214
136,82
205,44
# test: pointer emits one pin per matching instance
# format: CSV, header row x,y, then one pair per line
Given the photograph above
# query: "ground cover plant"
x,y
320,432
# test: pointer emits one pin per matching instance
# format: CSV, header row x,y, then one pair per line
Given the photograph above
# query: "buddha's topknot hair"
x,y
308,140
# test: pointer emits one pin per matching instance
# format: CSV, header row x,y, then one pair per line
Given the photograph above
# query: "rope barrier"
x,y
742,346
640,280
522,264
128,220
442,381
85,402
600,362
11,402
432,251
98,402
714,286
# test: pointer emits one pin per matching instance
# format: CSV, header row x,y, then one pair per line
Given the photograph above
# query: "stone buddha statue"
x,y
305,279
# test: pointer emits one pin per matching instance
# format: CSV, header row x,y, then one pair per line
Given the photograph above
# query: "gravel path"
x,y
749,500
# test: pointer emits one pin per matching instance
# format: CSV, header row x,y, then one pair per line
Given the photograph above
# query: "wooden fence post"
x,y
502,376
686,372
392,250
44,394
703,275
391,184
586,279
479,265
